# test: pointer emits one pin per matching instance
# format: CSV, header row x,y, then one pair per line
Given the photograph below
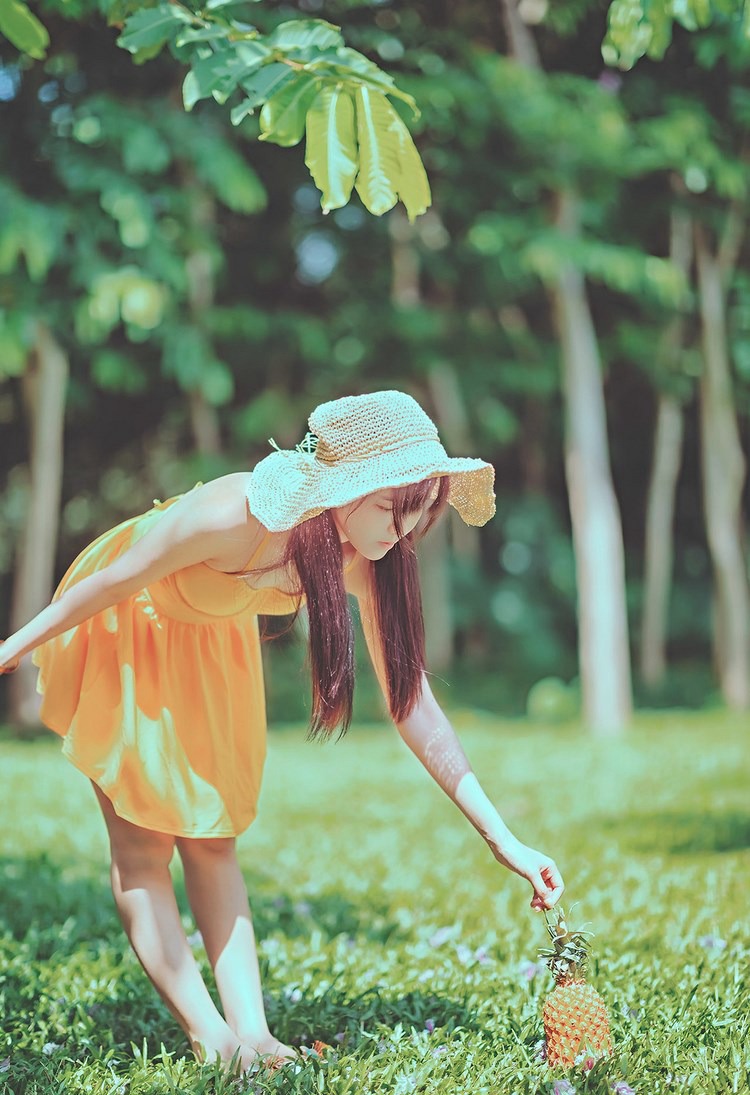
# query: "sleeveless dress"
x,y
160,699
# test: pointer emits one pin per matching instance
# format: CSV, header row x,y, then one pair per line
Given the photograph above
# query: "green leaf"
x,y
282,119
354,68
377,181
144,151
23,29
221,70
413,186
331,153
217,383
200,34
152,26
302,33
266,82
230,178
117,372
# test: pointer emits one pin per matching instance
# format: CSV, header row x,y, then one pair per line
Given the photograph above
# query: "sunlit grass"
x,y
388,930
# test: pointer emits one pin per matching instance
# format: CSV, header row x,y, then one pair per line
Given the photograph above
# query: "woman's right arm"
x,y
198,528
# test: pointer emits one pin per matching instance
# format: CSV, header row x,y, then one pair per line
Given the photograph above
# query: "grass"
x,y
387,928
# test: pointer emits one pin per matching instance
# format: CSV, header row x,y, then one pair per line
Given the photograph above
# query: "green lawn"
x,y
387,928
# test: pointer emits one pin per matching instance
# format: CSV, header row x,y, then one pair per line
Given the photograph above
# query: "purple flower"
x,y
303,908
540,1050
621,1088
481,956
712,943
429,1025
610,81
339,1037
438,1051
442,935
563,1087
529,970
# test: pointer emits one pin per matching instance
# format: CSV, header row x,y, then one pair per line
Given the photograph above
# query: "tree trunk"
x,y
44,385
434,556
204,417
665,468
604,656
659,535
723,467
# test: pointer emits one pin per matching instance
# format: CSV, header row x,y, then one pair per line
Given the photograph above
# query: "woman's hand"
x,y
7,667
539,869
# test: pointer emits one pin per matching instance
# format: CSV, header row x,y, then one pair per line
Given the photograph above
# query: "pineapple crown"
x,y
568,956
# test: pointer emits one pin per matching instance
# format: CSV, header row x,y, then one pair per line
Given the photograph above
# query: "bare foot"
x,y
270,1048
238,1055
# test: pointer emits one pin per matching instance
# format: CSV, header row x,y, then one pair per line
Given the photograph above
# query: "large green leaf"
x,y
152,26
331,153
379,168
349,65
23,29
301,33
413,186
282,119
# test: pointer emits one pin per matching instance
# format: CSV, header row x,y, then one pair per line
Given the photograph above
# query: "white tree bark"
x,y
44,386
603,649
604,657
724,469
665,468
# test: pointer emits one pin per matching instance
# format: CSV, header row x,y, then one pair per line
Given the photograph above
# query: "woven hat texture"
x,y
357,445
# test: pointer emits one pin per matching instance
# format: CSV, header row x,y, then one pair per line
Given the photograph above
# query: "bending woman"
x,y
150,669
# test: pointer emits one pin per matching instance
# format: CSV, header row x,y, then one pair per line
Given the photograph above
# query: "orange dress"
x,y
160,699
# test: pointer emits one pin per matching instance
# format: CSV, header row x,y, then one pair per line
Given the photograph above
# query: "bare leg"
x,y
143,892
217,895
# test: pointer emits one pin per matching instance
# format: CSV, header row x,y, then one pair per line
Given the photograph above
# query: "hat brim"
x,y
289,487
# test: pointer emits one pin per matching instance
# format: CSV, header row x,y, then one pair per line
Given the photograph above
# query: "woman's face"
x,y
367,524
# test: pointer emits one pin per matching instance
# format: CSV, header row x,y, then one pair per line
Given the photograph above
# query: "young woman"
x,y
150,670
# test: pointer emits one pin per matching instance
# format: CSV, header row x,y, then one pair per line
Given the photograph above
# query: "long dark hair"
x,y
313,550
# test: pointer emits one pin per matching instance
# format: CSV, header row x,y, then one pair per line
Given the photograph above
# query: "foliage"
x,y
292,76
637,28
403,943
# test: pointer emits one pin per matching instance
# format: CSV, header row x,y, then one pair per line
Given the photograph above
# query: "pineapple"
x,y
576,1024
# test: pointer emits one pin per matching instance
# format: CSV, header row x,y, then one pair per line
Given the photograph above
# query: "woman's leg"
x,y
143,892
217,895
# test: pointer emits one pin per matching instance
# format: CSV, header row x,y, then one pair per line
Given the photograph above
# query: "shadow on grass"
x,y
353,1021
69,977
681,833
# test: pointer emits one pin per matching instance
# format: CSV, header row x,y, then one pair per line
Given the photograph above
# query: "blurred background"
x,y
574,307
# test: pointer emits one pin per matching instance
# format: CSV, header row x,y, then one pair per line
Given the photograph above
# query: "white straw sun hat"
x,y
357,445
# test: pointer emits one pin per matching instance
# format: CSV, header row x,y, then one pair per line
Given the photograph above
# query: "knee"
x,y
138,852
204,851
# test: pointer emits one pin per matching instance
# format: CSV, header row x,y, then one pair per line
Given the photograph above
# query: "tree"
x,y
301,77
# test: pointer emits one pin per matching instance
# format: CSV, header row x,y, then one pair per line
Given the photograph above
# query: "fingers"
x,y
548,886
8,667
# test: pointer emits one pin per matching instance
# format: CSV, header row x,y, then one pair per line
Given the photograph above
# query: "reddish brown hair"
x,y
313,550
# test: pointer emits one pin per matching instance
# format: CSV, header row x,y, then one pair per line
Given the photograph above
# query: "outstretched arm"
x,y
430,736
195,529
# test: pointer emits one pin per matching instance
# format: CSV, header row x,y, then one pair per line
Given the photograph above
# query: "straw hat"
x,y
357,445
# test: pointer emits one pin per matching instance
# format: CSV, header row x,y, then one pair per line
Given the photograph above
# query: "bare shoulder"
x,y
222,502
220,508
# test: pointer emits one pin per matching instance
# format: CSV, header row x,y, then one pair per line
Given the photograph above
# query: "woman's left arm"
x,y
432,739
